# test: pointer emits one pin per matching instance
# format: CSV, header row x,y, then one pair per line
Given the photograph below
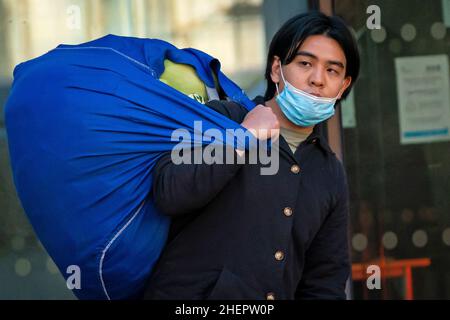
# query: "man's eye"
x,y
333,71
305,63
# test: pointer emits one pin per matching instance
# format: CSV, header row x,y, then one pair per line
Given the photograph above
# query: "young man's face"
x,y
318,68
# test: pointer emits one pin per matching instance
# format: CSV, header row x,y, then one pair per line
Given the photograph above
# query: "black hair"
x,y
294,32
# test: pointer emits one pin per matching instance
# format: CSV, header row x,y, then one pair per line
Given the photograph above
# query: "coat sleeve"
x,y
327,265
184,188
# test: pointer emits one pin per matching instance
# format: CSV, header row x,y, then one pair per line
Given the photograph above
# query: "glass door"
x,y
397,148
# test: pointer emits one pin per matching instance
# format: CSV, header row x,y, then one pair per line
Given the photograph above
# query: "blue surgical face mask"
x,y
302,108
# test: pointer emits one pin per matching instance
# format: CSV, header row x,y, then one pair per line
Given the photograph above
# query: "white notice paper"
x,y
423,98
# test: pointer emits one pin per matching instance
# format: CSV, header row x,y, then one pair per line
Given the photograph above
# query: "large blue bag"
x,y
85,126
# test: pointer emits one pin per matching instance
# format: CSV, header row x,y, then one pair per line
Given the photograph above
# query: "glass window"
x,y
397,148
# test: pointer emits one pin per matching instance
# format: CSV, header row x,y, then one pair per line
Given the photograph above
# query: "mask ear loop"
x,y
282,76
339,91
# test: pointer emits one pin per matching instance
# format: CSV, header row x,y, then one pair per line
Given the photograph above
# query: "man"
x,y
237,234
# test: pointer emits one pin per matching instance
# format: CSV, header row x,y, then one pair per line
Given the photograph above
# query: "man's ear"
x,y
347,82
275,70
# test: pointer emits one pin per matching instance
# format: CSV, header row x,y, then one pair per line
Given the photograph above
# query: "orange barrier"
x,y
392,269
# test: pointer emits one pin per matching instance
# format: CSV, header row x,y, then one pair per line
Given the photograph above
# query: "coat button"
x,y
287,212
295,169
314,140
270,296
279,255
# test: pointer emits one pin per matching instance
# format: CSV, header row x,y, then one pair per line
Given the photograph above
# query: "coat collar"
x,y
316,137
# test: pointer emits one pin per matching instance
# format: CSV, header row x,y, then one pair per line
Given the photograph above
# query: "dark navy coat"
x,y
237,234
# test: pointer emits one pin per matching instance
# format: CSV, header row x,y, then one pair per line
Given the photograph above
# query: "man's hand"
x,y
262,123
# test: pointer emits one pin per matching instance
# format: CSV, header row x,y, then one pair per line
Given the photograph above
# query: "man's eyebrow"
x,y
309,54
306,53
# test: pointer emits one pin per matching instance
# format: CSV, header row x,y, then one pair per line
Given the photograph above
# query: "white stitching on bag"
x,y
100,271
